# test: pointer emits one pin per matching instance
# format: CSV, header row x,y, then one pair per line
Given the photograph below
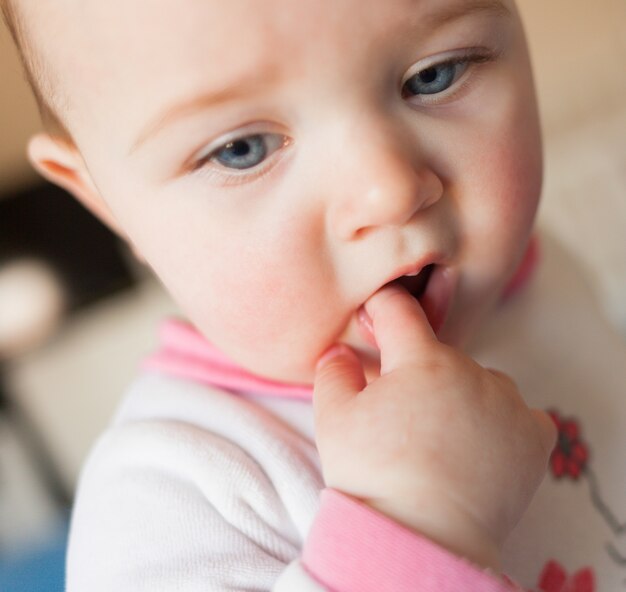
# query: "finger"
x,y
401,329
547,429
339,376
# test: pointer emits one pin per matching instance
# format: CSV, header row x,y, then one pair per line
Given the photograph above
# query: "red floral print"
x,y
555,579
570,455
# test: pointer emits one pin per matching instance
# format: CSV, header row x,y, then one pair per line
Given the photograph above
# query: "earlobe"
x,y
62,164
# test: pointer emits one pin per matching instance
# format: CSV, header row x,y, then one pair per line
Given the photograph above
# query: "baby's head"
x,y
276,163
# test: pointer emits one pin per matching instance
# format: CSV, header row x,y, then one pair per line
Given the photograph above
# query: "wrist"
x,y
450,527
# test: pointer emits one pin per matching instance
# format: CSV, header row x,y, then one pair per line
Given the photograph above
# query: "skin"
x,y
273,267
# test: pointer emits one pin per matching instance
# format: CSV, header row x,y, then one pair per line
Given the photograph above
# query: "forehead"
x,y
127,58
123,37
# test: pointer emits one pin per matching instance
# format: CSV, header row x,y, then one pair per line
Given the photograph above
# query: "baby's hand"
x,y
437,442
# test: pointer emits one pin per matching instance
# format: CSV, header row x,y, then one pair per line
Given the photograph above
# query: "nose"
x,y
383,181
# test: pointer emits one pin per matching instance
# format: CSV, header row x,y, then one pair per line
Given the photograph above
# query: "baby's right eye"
x,y
246,152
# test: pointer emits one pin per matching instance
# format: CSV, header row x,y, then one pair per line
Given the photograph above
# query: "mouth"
x,y
432,286
415,284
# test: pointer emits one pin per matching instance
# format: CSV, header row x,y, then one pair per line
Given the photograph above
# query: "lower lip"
x,y
435,302
437,298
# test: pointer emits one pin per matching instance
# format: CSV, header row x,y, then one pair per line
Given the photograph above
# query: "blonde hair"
x,y
35,72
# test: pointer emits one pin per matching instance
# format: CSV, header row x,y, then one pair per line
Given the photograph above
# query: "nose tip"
x,y
399,194
390,196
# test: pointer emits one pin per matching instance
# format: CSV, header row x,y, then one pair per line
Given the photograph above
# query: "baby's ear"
x,y
61,163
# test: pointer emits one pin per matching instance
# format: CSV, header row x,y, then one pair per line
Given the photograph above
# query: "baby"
x,y
337,193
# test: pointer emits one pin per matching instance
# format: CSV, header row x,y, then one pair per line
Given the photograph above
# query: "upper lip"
x,y
413,267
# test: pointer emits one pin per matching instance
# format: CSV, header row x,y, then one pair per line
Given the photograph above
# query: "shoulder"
x,y
183,472
188,430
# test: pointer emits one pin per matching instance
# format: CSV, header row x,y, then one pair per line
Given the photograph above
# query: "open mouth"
x,y
433,287
416,284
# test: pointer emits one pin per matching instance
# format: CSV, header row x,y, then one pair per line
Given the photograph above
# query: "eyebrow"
x,y
264,79
453,12
258,81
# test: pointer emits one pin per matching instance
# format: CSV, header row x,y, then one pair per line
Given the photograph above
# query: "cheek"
x,y
517,180
253,282
518,157
496,173
266,307
256,299
508,181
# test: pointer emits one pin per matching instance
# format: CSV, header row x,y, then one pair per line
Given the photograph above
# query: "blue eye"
x,y
247,152
244,153
435,79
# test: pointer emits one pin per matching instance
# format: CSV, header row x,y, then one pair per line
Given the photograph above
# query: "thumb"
x,y
339,377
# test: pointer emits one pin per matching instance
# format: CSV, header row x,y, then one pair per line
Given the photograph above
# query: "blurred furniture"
x,y
56,261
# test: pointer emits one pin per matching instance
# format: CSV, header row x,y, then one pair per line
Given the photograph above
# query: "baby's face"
x,y
278,162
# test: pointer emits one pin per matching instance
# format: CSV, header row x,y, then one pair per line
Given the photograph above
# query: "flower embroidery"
x,y
570,458
554,579
570,454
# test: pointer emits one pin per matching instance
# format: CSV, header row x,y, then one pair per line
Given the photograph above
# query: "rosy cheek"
x,y
270,292
524,171
517,167
256,304
270,323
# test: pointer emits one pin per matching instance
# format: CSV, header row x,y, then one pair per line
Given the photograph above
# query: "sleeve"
x,y
351,548
164,506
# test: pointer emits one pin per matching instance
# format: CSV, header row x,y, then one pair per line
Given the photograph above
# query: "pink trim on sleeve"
x,y
353,548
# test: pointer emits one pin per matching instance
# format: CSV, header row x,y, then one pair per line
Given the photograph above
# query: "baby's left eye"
x,y
435,79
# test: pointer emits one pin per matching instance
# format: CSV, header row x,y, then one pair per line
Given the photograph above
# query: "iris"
x,y
244,153
433,80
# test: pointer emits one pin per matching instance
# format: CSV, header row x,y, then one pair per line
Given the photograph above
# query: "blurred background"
x,y
77,313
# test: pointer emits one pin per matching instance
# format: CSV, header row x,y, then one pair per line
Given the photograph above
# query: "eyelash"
x,y
471,59
228,177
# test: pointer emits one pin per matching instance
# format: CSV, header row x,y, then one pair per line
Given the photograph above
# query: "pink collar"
x,y
185,353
